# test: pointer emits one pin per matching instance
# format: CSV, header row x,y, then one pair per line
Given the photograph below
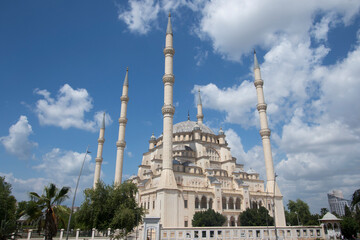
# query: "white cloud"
x,y
63,167
98,118
141,15
235,27
67,109
17,142
201,56
60,167
235,101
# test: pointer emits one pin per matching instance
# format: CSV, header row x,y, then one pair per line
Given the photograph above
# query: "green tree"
x,y
355,198
349,227
110,206
299,214
48,205
256,217
323,211
208,218
7,210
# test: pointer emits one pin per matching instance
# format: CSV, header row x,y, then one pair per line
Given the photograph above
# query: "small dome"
x,y
188,126
152,137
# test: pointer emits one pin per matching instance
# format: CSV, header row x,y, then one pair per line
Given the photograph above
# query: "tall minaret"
x,y
99,158
271,185
120,144
199,115
168,191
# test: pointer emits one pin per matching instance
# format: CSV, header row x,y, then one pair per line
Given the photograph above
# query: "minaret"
x,y
199,115
99,158
168,191
120,144
271,185
168,109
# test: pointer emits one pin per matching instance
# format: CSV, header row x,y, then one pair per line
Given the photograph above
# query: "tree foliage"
x,y
46,208
110,206
256,217
355,198
349,227
208,218
299,214
7,210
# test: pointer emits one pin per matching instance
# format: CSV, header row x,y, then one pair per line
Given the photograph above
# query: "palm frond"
x,y
61,195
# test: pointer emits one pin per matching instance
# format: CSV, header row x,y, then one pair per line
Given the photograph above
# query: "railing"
x,y
283,233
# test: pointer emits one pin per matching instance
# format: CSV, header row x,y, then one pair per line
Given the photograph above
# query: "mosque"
x,y
189,168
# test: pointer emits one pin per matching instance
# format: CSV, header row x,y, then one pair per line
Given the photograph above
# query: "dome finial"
x,y
188,115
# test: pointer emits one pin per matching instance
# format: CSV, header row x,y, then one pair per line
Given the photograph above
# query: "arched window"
x,y
238,203
210,203
223,203
197,202
231,203
232,221
203,202
213,154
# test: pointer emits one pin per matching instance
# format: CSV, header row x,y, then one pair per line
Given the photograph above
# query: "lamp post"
x,y
297,215
73,201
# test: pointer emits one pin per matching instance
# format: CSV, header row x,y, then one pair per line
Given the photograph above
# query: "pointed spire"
x,y
256,64
199,99
126,81
188,115
169,28
103,121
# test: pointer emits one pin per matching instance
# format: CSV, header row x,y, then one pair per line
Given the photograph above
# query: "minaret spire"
x,y
199,115
120,144
169,27
99,158
271,185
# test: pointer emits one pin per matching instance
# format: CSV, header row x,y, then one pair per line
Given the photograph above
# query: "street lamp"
x,y
73,201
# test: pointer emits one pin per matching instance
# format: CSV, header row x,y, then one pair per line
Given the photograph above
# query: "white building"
x,y
190,168
337,202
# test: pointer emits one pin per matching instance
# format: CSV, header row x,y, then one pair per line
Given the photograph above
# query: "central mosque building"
x,y
190,168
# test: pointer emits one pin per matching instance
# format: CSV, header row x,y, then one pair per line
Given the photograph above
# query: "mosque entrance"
x,y
152,228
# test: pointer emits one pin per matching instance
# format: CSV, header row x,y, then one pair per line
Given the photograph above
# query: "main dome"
x,y
188,126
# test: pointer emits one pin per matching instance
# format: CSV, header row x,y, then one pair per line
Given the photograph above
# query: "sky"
x,y
63,63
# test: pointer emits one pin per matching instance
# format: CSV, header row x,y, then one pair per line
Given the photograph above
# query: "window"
x,y
186,224
148,205
153,204
185,204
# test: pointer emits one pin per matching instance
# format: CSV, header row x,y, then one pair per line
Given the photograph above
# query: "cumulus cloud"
x,y
67,109
17,142
235,27
60,167
64,166
141,15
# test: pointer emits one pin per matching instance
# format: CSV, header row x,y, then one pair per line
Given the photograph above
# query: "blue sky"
x,y
62,63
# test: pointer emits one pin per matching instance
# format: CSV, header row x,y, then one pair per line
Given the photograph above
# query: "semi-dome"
x,y
188,126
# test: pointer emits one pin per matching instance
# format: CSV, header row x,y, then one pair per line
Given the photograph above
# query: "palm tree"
x,y
49,203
